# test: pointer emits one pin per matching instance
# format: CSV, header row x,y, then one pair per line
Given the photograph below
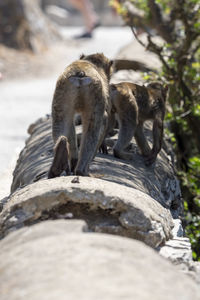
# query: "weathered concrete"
x,y
105,206
46,261
158,181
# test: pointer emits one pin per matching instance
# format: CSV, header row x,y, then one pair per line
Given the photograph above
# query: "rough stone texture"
x,y
191,268
47,228
46,261
105,206
179,252
178,249
158,181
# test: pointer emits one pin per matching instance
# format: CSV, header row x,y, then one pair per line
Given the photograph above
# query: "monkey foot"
x,y
52,175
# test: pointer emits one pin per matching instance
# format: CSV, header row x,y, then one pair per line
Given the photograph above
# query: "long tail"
x,y
61,158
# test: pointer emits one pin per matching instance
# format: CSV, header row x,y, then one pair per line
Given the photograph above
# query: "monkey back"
x,y
82,73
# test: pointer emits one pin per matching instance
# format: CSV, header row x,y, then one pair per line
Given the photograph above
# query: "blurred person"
x,y
91,19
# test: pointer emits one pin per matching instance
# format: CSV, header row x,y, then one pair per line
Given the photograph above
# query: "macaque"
x,y
134,105
82,88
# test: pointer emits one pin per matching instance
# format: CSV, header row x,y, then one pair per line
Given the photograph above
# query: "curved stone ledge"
x,y
105,206
46,261
158,181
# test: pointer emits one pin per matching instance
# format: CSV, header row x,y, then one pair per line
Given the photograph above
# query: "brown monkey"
x,y
82,88
61,157
134,105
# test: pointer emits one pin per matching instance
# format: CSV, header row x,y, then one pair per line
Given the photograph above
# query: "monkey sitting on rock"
x,y
82,88
134,104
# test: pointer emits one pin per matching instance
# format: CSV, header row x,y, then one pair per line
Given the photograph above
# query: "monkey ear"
x,y
82,56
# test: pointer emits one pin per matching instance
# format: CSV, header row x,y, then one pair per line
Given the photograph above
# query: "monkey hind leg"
x,y
61,158
109,124
157,141
92,137
141,140
126,132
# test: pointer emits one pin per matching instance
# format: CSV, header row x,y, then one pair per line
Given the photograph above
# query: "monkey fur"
x,y
134,104
82,88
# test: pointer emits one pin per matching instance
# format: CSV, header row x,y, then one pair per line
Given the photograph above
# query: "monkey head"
x,y
100,61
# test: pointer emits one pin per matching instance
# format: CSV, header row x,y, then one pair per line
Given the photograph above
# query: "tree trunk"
x,y
24,26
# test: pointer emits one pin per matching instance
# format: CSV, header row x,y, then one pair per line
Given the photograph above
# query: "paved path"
x,y
24,101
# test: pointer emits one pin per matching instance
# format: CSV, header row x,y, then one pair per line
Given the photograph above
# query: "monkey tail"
x,y
61,158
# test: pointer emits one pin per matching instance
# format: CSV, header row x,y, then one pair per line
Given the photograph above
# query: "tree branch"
x,y
136,37
136,18
164,29
158,51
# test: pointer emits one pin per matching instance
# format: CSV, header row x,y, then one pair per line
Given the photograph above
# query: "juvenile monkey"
x,y
82,88
134,105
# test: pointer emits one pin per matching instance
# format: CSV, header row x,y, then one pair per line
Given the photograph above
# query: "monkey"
x,y
61,157
82,88
134,104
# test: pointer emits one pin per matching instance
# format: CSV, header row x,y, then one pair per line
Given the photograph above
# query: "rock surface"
x,y
48,261
125,198
178,251
157,181
105,206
